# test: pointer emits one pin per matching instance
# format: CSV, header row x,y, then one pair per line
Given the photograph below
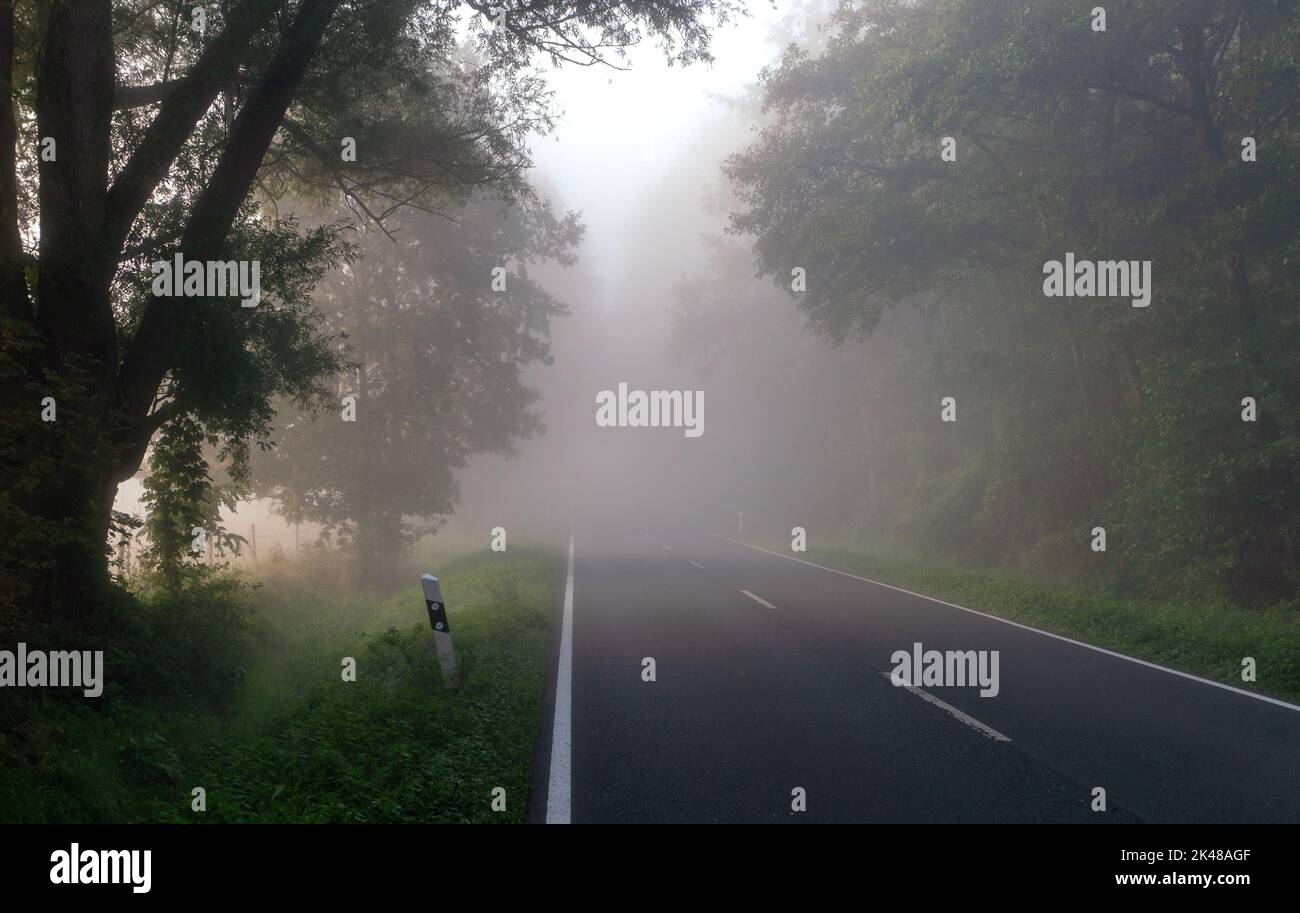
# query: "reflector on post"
x,y
441,629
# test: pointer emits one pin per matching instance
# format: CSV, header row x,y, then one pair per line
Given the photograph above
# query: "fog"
x,y
797,242
637,152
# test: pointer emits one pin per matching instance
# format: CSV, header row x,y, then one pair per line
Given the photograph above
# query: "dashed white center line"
x,y
1015,624
758,599
667,548
697,564
966,718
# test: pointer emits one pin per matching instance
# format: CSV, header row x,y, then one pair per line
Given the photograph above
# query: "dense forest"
x,y
911,180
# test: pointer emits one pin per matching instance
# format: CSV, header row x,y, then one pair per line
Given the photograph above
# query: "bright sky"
x,y
619,128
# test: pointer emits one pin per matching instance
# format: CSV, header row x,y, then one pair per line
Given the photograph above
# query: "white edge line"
x,y
558,790
697,564
758,599
1015,624
966,718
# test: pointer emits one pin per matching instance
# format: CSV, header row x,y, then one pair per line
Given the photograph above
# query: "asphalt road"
x,y
786,687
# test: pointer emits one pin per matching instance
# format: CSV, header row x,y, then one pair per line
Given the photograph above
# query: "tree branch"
x,y
182,107
127,97
1142,96
163,321
75,72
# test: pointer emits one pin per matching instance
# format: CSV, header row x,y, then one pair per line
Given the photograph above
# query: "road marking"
x,y
697,564
558,791
1015,624
667,548
966,718
757,599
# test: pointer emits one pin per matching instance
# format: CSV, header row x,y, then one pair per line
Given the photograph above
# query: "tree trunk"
x,y
13,285
82,224
74,106
77,510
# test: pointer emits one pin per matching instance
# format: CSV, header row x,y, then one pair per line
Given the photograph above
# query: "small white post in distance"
x,y
437,609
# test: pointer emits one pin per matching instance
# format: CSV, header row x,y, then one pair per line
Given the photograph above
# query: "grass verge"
x,y
1209,639
247,701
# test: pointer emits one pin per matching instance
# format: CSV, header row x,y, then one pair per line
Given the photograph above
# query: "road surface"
x,y
771,676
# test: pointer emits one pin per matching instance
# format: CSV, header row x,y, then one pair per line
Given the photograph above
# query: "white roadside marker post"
x,y
441,629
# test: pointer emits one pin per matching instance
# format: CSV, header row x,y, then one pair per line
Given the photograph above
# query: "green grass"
x,y
273,733
1208,638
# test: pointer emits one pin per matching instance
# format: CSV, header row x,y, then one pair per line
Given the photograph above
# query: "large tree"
x,y
440,316
158,124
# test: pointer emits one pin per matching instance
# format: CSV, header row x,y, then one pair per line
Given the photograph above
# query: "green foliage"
x,y
180,498
173,665
395,746
188,648
239,691
1073,412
